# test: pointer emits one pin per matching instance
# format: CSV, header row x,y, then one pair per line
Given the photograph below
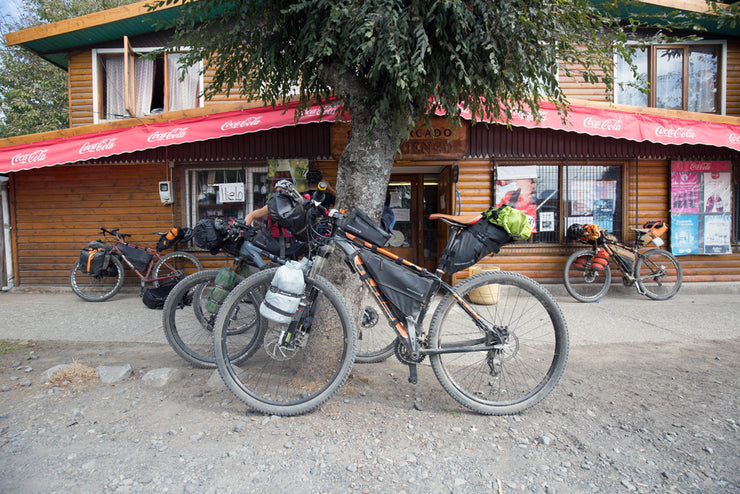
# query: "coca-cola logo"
x,y
735,138
675,132
700,167
605,124
96,147
170,135
32,157
239,124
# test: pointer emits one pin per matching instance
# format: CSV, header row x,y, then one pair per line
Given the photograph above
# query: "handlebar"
x,y
114,232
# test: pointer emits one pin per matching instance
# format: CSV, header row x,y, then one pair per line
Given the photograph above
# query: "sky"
x,y
9,7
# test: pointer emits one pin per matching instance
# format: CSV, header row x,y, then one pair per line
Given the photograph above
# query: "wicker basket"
x,y
487,295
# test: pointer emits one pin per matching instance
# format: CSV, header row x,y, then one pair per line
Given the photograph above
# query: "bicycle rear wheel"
x,y
582,281
178,266
288,376
100,287
659,274
523,350
376,338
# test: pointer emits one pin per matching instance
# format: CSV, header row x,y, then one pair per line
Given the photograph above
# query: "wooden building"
x,y
615,162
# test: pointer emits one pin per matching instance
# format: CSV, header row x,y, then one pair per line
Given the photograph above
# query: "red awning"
x,y
585,120
141,137
632,126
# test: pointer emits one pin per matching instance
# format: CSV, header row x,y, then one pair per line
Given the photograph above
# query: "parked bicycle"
x,y
497,341
655,273
98,274
190,309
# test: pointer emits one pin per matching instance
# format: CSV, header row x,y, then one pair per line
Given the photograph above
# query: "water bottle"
x,y
286,291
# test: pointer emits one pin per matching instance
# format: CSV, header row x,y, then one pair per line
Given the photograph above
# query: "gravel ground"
x,y
648,403
625,418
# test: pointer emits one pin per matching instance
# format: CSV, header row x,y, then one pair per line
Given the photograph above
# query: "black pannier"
x,y
472,244
358,223
405,291
138,257
210,234
95,258
154,298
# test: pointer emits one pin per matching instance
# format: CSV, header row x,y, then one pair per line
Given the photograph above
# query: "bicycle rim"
x,y
659,274
188,326
295,377
582,282
97,288
176,266
530,336
376,338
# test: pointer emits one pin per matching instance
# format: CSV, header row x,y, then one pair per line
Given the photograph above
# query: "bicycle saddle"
x,y
463,219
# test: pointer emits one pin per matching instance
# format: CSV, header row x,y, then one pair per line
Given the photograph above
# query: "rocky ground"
x,y
647,417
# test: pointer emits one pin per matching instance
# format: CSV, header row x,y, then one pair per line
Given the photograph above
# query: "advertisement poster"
x,y
685,234
592,202
517,187
717,235
701,195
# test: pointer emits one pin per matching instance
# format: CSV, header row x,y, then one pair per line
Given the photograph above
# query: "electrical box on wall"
x,y
165,192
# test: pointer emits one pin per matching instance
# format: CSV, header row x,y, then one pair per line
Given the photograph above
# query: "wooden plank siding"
x,y
57,210
733,79
81,104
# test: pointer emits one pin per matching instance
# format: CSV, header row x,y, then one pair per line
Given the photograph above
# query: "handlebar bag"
x,y
210,233
406,291
472,244
138,257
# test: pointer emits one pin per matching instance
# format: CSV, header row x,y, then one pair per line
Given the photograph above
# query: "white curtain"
x,y
703,80
182,94
629,92
115,106
144,84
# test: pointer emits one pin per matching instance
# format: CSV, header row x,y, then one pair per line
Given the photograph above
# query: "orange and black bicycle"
x,y
497,341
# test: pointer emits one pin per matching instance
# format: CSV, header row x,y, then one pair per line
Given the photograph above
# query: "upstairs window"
x,y
678,77
131,84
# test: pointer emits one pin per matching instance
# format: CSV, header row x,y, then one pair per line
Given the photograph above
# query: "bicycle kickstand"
x,y
413,349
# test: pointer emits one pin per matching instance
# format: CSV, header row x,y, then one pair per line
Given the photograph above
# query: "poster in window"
x,y
717,234
517,187
701,194
685,234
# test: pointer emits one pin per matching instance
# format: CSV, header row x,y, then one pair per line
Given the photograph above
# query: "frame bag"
x,y
406,291
138,257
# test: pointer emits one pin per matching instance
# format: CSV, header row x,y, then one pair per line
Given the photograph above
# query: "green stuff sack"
x,y
515,222
222,285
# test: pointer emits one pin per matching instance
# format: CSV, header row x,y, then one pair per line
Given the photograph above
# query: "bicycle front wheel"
x,y
96,288
582,281
512,364
288,375
176,266
188,325
659,275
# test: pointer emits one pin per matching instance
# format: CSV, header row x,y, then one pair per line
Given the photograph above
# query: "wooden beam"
x,y
660,112
77,23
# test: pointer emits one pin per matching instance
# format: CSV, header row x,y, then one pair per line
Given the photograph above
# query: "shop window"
x,y
557,196
226,192
677,77
533,189
133,84
593,194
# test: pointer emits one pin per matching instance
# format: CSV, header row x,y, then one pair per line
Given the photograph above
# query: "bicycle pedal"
x,y
413,377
